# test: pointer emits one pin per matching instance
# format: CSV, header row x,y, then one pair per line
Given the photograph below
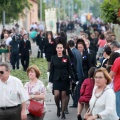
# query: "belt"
x,y
6,108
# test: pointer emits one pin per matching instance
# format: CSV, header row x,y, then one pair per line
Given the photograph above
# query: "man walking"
x,y
25,51
13,96
78,67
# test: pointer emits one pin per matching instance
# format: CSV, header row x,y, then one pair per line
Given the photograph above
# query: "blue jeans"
x,y
118,102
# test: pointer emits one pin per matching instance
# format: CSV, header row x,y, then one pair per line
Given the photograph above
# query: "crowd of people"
x,y
85,67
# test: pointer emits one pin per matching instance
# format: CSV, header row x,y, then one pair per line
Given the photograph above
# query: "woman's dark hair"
x,y
102,37
49,32
108,68
81,41
91,72
71,43
112,58
107,49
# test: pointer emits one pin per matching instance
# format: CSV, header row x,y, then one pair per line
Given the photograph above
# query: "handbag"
x,y
91,109
35,108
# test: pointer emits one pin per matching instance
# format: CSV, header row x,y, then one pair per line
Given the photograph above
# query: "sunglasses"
x,y
1,72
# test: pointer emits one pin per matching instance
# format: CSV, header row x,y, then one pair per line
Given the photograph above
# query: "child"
x,y
86,92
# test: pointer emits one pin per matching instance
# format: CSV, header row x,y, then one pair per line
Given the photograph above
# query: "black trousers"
x,y
76,94
40,54
11,114
25,61
14,59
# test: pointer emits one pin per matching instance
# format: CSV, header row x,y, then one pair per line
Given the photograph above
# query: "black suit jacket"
x,y
60,68
49,49
40,41
25,48
92,56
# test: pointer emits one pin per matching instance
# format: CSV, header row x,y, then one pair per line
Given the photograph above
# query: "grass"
x,y
41,63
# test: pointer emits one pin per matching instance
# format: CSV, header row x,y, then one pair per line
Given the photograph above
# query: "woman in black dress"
x,y
60,70
49,48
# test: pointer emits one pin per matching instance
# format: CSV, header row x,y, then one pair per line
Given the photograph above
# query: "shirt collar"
x,y
7,81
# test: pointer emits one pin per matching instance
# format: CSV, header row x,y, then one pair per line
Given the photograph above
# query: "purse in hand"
x,y
35,108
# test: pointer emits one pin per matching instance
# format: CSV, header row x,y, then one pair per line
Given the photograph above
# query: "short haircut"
x,y
5,65
25,34
107,49
71,43
115,43
106,74
112,58
37,71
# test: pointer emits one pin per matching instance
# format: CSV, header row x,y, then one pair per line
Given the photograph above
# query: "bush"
x,y
41,63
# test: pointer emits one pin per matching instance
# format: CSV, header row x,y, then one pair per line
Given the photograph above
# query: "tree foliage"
x,y
13,9
77,5
109,11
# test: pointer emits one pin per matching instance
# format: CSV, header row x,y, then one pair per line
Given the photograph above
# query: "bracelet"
x,y
98,116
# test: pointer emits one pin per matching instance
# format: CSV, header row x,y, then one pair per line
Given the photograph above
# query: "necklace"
x,y
97,96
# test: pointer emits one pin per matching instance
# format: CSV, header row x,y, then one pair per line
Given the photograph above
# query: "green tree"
x,y
109,11
13,8
77,5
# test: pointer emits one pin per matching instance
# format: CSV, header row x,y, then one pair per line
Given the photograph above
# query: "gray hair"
x,y
5,65
116,44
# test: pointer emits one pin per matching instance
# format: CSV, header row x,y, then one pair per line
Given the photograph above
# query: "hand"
x,y
77,82
23,115
92,118
31,97
87,115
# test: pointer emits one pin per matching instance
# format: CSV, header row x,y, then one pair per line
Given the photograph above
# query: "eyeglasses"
x,y
100,77
1,72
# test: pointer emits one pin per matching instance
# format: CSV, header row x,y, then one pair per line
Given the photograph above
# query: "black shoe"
x,y
73,106
58,112
79,117
66,112
63,116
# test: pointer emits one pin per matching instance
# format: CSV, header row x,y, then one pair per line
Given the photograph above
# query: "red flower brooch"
x,y
64,60
51,42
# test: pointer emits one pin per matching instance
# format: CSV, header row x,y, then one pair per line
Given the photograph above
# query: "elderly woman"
x,y
102,103
35,89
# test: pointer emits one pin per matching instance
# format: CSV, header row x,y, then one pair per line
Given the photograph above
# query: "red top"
x,y
101,43
86,90
116,69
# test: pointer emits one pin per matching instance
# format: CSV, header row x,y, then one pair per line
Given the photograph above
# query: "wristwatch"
x,y
98,116
32,96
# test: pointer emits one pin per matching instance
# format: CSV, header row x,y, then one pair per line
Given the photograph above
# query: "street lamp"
x,y
41,10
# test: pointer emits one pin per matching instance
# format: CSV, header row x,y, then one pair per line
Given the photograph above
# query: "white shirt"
x,y
8,40
12,92
41,27
117,51
105,105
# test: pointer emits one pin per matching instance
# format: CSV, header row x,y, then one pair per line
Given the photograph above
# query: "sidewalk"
x,y
52,110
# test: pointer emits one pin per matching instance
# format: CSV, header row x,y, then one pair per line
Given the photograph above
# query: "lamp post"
x,y
59,10
3,19
41,10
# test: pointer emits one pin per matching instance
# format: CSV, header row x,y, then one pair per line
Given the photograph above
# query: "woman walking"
x,y
60,71
36,91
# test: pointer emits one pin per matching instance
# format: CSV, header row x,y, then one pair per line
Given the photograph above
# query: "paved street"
x,y
51,110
